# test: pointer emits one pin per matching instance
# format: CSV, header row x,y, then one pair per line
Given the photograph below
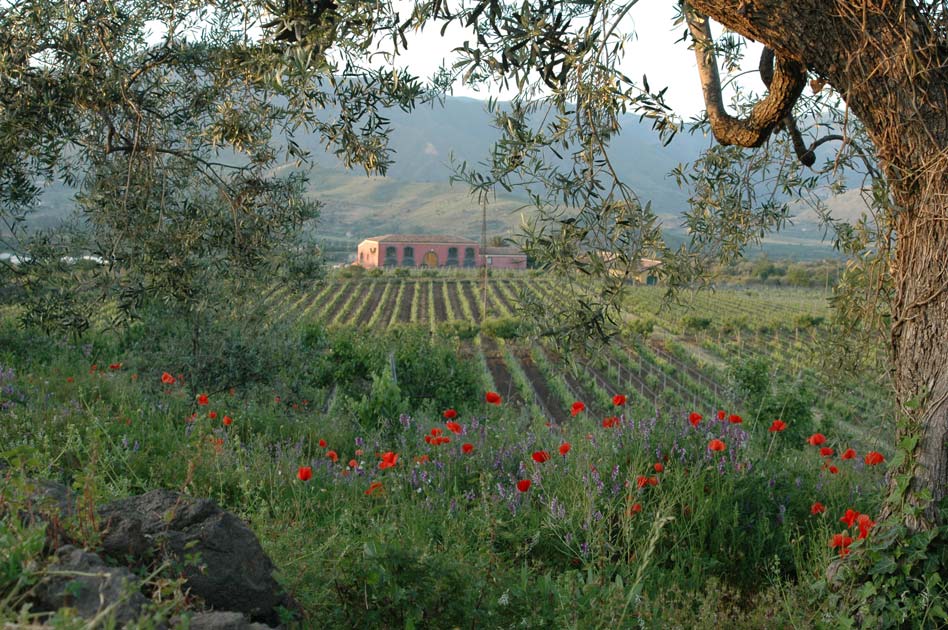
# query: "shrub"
x,y
462,329
504,327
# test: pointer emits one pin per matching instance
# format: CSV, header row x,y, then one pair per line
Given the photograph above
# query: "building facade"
x,y
433,251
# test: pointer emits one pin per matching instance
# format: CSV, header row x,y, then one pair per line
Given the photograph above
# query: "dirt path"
x,y
452,289
370,303
503,381
552,407
472,299
404,309
441,311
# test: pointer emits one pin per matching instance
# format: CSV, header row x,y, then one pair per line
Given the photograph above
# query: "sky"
x,y
653,53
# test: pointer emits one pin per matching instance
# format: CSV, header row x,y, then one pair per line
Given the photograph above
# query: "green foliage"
x,y
459,328
504,327
641,327
383,404
695,323
398,586
897,579
771,395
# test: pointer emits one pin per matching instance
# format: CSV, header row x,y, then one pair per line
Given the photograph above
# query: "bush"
x,y
504,327
461,329
694,323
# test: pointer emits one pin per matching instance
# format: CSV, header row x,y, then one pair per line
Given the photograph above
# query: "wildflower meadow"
x,y
440,497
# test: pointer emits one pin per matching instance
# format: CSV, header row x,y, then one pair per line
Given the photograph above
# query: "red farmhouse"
x,y
435,250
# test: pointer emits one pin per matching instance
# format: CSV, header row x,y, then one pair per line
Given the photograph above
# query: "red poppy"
x,y
450,414
424,459
833,470
873,458
842,541
564,448
694,418
659,467
305,473
577,408
436,431
353,463
721,415
619,399
202,399
467,447
212,415
610,422
427,438
635,509
333,456
716,445
653,481
848,454
817,508
69,379
735,419
826,451
865,524
540,456
817,439
444,440
389,459
493,398
777,426
228,421
523,485
641,481
454,427
375,486
167,379
322,444
850,517
115,366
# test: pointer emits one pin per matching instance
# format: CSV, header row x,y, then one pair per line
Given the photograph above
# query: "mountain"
x,y
416,195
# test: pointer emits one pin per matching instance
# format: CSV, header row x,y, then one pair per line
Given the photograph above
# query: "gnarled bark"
x,y
892,70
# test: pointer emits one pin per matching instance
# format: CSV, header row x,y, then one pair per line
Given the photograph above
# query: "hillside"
x,y
416,195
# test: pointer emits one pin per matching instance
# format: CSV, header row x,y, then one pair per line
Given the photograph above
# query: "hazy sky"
x,y
653,53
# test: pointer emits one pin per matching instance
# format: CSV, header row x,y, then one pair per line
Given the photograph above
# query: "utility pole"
x,y
484,255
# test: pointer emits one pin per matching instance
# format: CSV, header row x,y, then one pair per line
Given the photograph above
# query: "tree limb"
x,y
787,82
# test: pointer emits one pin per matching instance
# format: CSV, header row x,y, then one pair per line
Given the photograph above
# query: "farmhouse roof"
x,y
503,251
422,238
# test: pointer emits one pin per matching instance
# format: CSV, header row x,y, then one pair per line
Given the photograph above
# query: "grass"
x,y
447,540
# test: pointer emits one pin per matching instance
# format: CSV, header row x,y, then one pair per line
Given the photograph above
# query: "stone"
x,y
222,621
81,580
219,556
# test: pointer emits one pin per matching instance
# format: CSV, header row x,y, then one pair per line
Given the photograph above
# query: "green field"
x,y
629,519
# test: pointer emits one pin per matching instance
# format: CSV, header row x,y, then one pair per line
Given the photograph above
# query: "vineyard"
x,y
681,362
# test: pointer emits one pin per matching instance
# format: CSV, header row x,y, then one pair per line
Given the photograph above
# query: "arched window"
x,y
452,260
391,258
469,257
408,256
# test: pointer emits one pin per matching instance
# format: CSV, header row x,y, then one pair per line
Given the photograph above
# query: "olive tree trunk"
x,y
882,56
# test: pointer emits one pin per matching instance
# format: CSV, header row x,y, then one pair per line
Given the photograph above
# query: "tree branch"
x,y
788,80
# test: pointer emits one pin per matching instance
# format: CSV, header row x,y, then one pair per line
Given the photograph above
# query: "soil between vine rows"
x,y
370,303
404,309
441,311
503,381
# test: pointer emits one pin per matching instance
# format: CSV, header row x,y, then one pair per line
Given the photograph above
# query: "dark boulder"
x,y
216,552
222,621
81,580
